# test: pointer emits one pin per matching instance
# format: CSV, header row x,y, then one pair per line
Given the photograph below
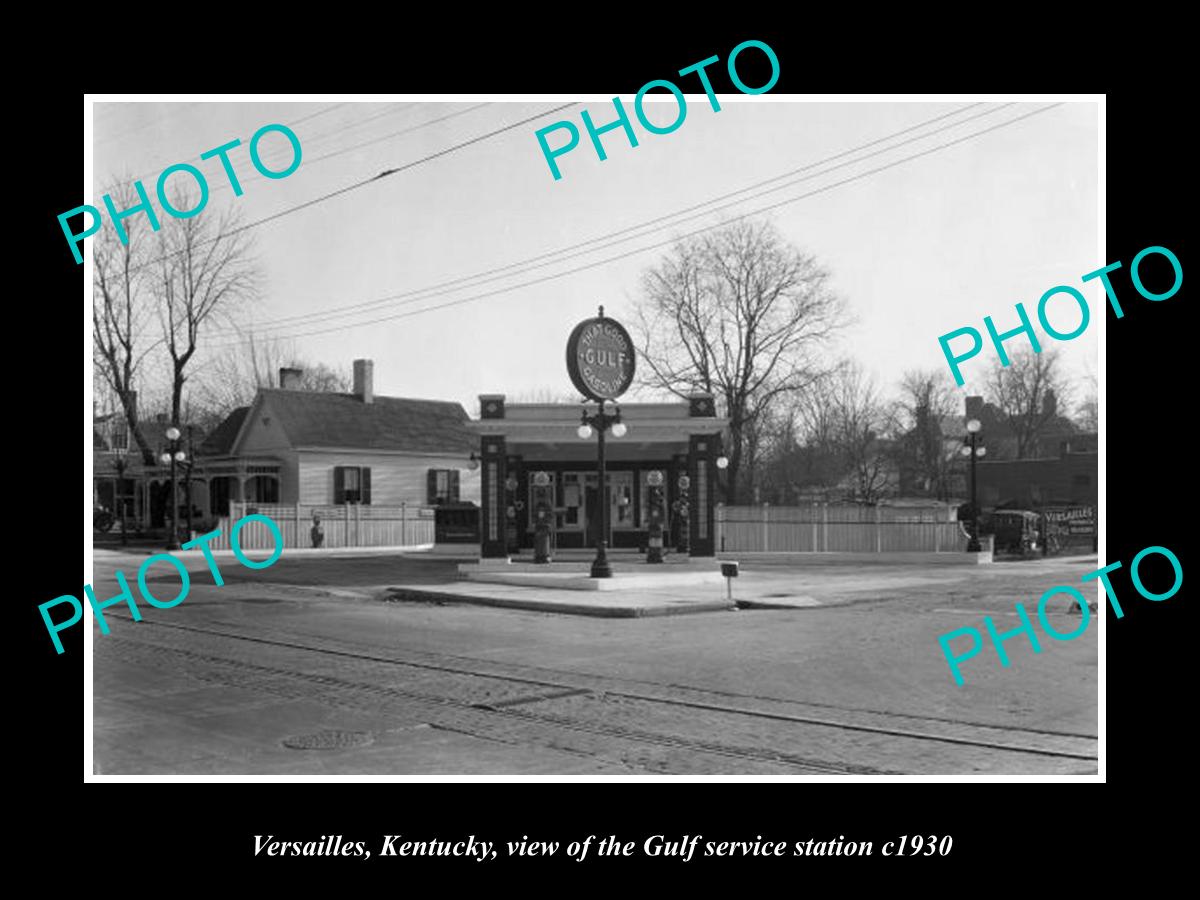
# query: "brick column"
x,y
493,536
701,469
703,449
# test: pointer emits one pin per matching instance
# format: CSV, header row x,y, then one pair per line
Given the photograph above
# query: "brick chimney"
x,y
289,379
974,408
364,380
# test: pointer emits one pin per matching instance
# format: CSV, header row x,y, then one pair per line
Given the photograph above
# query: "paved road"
x,y
296,670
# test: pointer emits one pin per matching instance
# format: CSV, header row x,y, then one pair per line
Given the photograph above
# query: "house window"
x,y
441,487
352,484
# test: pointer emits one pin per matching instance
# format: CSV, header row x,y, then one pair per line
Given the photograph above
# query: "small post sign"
x,y
600,358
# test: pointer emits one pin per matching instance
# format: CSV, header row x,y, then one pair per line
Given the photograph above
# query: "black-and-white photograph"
x,y
673,434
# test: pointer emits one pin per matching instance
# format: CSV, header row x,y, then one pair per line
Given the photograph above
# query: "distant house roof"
x,y
220,440
319,419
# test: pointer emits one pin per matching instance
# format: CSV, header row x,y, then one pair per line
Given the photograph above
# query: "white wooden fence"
x,y
834,528
349,525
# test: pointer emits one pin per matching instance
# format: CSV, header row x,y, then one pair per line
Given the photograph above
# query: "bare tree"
x,y
861,419
1087,413
122,308
1027,393
544,395
742,315
205,269
926,401
231,379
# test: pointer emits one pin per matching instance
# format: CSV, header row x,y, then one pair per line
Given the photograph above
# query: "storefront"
x,y
519,440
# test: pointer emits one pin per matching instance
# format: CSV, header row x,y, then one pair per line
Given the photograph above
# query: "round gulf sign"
x,y
600,358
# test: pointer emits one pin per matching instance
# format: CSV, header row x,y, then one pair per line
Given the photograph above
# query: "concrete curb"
x,y
896,557
552,606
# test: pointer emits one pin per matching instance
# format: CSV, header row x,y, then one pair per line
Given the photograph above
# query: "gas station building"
x,y
519,440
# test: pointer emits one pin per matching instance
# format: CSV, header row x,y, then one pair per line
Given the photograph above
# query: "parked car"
x,y
1022,532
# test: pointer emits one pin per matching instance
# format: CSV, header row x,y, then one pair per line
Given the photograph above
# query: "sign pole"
x,y
601,361
600,566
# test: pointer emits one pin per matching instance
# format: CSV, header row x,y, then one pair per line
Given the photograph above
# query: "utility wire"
x,y
308,163
522,266
345,190
635,251
319,112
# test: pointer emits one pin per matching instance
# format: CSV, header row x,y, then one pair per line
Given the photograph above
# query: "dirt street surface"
x,y
303,668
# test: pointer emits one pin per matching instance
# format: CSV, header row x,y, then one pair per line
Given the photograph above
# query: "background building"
x,y
315,448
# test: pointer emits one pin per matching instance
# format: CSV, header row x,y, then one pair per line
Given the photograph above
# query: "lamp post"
x,y
973,448
172,456
601,422
121,464
188,465
722,464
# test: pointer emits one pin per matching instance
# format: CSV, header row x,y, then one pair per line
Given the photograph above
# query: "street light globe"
x,y
965,451
180,456
974,425
473,463
982,451
584,431
172,433
619,429
165,459
722,461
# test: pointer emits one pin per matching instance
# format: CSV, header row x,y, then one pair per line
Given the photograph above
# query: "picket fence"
x,y
838,528
348,525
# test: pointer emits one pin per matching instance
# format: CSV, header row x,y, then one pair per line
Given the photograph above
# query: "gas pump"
x,y
682,511
512,506
542,512
654,551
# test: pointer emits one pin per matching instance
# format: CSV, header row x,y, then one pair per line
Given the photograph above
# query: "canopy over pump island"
x,y
647,481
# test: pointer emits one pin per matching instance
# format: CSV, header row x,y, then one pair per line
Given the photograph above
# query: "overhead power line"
x,y
309,162
669,241
386,173
313,115
562,254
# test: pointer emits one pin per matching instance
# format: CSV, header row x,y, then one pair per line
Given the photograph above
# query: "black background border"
x,y
208,831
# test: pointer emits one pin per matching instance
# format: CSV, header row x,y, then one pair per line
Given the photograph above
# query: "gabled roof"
x,y
220,441
318,419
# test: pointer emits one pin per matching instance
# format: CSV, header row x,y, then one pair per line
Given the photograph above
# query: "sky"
x,y
917,249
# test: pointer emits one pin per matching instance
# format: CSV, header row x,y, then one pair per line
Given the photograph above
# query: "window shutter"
x,y
366,484
339,485
454,485
431,488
